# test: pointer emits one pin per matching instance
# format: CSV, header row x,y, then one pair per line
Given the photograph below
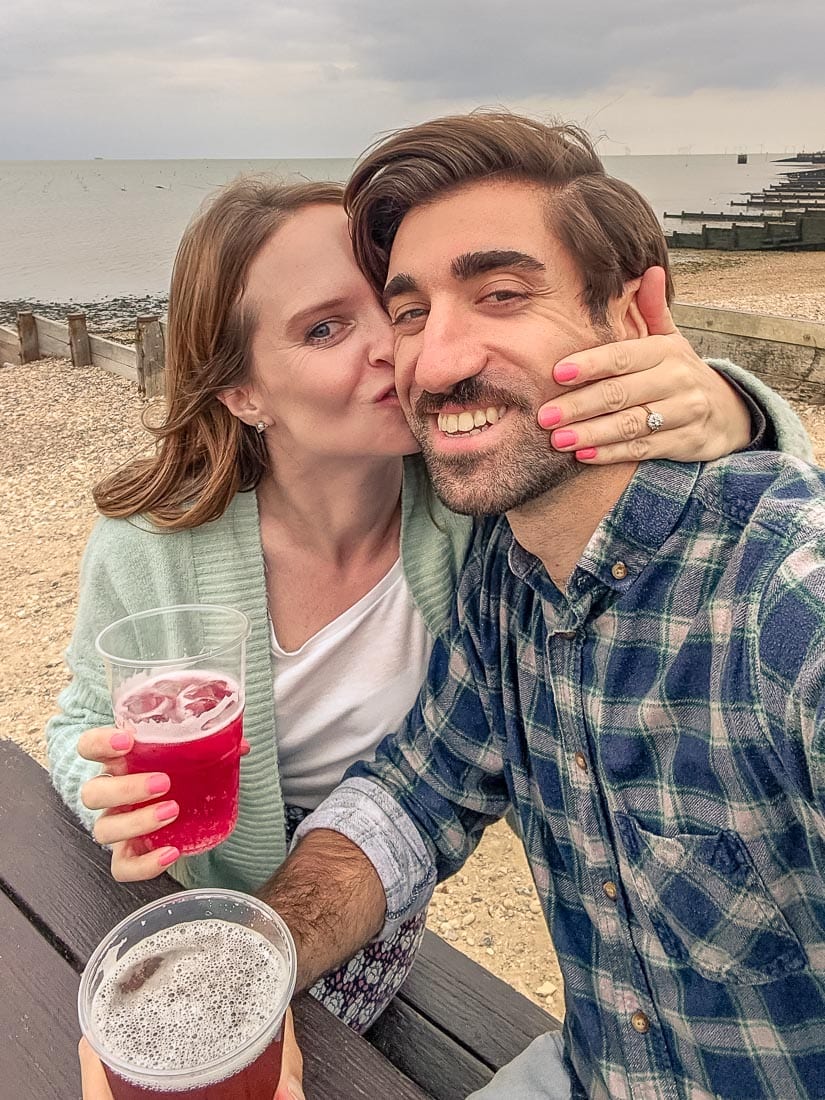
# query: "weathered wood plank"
x,y
38,1014
53,337
150,357
795,371
46,326
338,1063
28,337
79,340
474,1007
115,358
35,832
9,346
425,1054
758,326
123,354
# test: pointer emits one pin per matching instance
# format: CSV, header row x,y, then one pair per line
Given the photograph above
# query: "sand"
x,y
63,428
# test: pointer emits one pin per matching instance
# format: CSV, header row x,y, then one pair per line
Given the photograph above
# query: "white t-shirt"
x,y
346,687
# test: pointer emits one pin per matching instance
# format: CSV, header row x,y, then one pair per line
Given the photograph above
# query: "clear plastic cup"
x,y
176,676
186,998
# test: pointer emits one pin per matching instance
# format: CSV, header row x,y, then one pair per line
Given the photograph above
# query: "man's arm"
x,y
790,638
330,895
369,856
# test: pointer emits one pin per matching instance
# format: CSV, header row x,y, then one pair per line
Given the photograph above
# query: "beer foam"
x,y
217,986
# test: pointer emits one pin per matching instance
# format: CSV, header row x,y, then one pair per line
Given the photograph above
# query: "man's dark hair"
x,y
608,229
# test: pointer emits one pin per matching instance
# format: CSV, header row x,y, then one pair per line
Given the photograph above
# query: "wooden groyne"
x,y
788,354
37,337
791,217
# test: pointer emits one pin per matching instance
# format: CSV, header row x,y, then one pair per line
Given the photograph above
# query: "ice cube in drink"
x,y
188,725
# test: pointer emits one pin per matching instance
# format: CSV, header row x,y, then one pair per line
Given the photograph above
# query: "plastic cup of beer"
x,y
186,998
176,676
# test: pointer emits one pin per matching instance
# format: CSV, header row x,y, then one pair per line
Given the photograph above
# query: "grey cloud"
x,y
57,36
469,49
473,49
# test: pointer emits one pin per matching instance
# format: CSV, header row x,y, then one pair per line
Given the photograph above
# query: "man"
x,y
635,664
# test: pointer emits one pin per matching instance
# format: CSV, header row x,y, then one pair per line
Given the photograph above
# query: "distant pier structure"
x,y
788,216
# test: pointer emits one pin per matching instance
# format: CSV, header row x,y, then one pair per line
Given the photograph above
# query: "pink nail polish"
x,y
120,741
549,417
165,811
565,439
587,452
565,372
158,784
167,856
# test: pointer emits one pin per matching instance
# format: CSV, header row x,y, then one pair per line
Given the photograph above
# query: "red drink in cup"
x,y
186,998
177,684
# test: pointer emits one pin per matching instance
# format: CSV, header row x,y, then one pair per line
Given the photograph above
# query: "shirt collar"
x,y
632,533
640,523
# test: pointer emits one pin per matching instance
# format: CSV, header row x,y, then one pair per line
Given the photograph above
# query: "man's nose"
x,y
381,338
448,353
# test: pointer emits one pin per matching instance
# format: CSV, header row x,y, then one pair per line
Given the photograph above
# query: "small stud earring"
x,y
260,427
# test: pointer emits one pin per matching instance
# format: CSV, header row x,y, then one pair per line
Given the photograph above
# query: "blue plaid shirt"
x,y
659,728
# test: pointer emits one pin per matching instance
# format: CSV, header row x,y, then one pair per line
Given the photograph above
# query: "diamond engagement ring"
x,y
655,420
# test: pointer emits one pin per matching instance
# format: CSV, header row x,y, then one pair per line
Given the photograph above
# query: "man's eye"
x,y
408,317
504,295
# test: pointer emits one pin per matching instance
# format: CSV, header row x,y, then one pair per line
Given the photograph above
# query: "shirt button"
x,y
581,761
619,570
610,890
640,1023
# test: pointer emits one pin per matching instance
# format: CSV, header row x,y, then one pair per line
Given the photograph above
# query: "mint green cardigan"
x,y
130,565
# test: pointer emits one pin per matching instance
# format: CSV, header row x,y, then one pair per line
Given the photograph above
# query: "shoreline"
x,y
783,284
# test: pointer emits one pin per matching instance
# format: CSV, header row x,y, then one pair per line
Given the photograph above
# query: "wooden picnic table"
x,y
449,1028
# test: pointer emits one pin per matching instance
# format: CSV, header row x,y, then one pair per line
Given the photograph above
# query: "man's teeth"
x,y
458,423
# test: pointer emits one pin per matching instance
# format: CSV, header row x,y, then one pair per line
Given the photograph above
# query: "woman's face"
x,y
322,366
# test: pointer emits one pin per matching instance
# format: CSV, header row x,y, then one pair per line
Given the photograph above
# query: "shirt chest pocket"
x,y
707,905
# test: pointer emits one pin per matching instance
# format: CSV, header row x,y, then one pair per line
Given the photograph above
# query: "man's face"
x,y
484,301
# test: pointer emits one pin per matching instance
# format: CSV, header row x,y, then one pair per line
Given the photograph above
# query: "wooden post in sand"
x,y
27,334
150,357
79,344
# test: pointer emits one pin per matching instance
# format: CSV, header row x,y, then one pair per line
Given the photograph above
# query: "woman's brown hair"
x,y
608,229
205,455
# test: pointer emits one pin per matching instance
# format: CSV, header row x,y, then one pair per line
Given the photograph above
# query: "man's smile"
x,y
470,421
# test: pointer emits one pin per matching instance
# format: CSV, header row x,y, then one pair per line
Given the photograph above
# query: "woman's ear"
x,y
241,403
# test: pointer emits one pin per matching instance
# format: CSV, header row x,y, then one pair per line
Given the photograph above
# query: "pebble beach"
x,y
65,427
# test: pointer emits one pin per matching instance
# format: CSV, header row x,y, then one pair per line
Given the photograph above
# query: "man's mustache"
x,y
469,391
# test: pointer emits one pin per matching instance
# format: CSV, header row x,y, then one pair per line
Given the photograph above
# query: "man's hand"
x,y
603,419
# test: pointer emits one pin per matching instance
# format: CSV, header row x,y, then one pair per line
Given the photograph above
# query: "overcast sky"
x,y
266,78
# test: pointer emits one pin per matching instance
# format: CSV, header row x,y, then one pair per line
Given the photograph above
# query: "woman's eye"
x,y
325,331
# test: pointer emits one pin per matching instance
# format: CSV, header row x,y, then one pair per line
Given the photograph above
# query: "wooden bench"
x,y
450,1028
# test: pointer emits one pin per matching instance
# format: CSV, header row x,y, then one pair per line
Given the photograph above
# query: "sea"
x,y
80,232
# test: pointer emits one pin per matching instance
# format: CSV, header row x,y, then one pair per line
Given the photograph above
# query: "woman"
x,y
279,488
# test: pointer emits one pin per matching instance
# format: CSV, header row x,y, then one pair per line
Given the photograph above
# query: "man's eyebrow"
x,y
479,263
398,284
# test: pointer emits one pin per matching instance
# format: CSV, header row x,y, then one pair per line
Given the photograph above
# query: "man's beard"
x,y
516,471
